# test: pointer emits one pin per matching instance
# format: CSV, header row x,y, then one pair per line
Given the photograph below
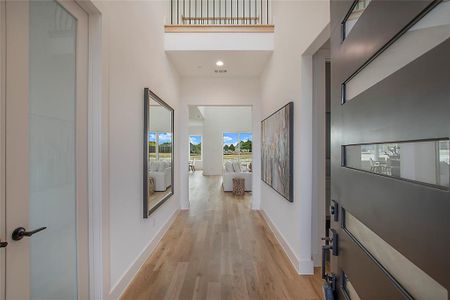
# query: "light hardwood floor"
x,y
220,249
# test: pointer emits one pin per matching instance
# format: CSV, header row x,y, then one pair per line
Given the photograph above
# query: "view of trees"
x,y
237,146
195,147
164,140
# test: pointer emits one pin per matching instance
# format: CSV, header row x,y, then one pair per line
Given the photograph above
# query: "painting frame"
x,y
284,115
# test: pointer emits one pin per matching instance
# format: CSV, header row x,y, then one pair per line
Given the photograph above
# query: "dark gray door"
x,y
390,149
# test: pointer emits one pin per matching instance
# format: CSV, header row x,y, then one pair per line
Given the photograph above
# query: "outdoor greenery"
x,y
236,149
243,146
195,151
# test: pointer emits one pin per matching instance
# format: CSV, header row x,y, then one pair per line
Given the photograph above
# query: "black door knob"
x,y
20,232
3,244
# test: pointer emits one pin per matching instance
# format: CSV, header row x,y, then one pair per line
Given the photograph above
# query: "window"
x,y
237,146
421,161
159,145
195,147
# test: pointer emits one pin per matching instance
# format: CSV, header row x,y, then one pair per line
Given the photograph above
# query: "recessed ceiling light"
x,y
219,63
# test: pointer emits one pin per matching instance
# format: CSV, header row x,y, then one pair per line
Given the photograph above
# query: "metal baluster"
x,y
243,11
249,18
256,11
261,13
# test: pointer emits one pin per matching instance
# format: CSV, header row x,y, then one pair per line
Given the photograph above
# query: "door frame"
x,y
2,146
97,132
320,58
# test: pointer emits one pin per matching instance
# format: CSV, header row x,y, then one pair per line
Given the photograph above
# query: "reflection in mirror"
x,y
158,146
422,161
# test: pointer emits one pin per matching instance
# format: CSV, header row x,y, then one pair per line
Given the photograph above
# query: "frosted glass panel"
x,y
426,34
418,284
349,289
357,11
53,265
423,161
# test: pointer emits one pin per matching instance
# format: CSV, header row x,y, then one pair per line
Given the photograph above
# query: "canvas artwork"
x,y
277,151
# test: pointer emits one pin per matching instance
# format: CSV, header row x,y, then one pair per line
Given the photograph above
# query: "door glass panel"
x,y
422,161
349,289
353,17
426,34
53,256
416,282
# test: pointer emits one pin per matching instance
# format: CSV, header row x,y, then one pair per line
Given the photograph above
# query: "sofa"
x,y
231,170
161,171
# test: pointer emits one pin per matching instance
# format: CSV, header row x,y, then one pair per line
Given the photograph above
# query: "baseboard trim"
x,y
306,267
281,240
302,267
121,286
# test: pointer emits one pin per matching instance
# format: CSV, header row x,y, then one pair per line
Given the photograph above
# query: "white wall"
x,y
220,119
297,23
220,91
134,58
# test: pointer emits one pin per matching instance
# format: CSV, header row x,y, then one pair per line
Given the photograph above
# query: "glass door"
x,y
46,150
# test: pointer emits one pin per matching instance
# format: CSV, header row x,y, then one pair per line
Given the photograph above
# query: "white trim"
x,y
309,215
130,273
306,267
283,243
95,178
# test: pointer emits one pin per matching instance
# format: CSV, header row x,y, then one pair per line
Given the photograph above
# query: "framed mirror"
x,y
158,152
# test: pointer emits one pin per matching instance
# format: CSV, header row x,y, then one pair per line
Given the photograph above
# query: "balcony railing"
x,y
220,12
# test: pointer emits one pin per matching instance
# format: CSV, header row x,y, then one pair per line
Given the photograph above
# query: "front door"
x,y
390,150
45,150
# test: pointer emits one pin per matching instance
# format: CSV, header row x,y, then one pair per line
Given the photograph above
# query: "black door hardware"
x,y
334,210
331,243
20,232
3,244
329,287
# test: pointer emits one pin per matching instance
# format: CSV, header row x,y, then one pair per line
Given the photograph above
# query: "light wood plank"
x,y
220,249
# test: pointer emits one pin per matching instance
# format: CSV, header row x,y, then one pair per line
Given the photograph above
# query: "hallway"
x,y
220,249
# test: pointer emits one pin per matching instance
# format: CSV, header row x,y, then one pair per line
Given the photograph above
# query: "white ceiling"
x,y
195,116
203,63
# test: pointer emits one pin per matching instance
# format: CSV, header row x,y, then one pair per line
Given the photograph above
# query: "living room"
x,y
220,147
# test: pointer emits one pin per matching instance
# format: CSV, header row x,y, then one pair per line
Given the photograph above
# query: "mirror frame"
x,y
148,94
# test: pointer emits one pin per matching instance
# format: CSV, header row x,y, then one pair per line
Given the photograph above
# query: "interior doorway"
x,y
321,148
221,147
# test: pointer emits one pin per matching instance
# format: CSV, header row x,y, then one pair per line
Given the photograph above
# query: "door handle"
x,y
3,244
20,232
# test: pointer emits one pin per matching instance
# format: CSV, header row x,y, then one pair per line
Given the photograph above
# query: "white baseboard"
x,y
281,240
306,267
128,276
302,267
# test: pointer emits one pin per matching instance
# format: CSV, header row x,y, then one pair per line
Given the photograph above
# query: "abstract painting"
x,y
277,151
